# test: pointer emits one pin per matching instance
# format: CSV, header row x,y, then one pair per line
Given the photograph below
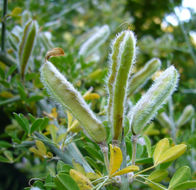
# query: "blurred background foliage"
x,y
161,32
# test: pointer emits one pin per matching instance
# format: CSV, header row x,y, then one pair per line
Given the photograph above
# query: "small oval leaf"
x,y
115,159
172,153
160,148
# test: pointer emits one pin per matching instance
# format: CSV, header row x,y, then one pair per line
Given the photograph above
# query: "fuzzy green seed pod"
x,y
146,108
113,70
64,93
164,120
143,75
186,115
26,45
125,56
94,41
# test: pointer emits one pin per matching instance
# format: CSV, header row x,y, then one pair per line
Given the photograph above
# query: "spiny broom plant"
x,y
120,86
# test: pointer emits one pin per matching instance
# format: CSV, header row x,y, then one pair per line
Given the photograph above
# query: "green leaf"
x,y
9,155
35,125
50,184
92,162
44,124
22,92
3,159
11,70
34,98
93,152
4,144
156,186
158,175
62,167
181,175
144,161
185,185
65,182
21,122
148,145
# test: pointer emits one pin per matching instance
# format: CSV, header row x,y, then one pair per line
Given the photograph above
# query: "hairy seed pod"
x,y
26,45
146,108
143,75
186,115
164,120
125,60
113,70
64,92
94,41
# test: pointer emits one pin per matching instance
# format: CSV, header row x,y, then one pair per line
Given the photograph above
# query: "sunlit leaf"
x,y
181,175
126,170
82,181
172,153
160,148
115,159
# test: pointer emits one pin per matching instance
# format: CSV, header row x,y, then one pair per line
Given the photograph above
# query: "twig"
x,y
156,184
3,34
124,179
171,116
134,148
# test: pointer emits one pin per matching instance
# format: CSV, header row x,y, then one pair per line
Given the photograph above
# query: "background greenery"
x,y
67,24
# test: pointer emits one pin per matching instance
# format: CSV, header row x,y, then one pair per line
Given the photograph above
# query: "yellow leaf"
x,y
16,11
92,176
54,113
77,166
75,127
41,147
83,182
69,118
126,170
115,159
6,94
35,151
49,154
172,153
91,96
53,132
61,137
96,74
160,148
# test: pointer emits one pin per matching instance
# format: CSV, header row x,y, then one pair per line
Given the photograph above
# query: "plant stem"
x,y
144,170
152,182
171,116
134,148
124,179
3,31
104,150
